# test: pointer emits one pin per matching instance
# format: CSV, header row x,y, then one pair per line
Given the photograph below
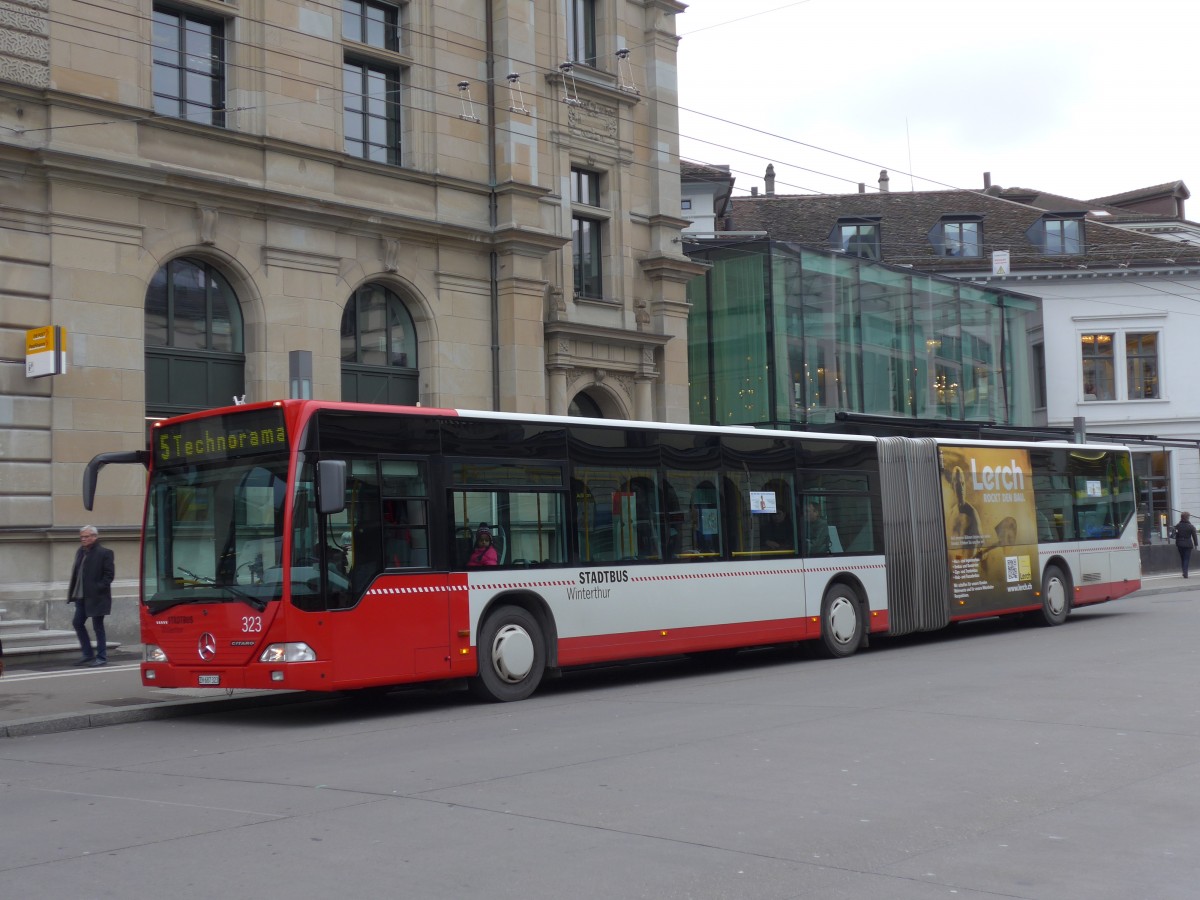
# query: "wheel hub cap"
x,y
512,653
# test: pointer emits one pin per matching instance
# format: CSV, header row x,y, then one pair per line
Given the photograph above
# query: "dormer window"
x,y
1057,234
858,236
958,236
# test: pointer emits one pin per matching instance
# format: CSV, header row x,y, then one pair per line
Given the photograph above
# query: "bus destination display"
x,y
224,437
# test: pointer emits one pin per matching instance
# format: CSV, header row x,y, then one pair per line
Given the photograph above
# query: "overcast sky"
x,y
1079,98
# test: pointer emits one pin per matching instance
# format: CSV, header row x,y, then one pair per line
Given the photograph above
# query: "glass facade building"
x,y
786,336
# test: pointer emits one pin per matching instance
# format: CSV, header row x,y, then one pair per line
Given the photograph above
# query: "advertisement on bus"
x,y
991,528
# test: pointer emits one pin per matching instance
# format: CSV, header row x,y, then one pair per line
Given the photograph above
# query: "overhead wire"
x,y
1115,252
436,89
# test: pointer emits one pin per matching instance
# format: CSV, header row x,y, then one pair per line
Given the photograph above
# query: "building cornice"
x,y
621,336
672,268
1082,274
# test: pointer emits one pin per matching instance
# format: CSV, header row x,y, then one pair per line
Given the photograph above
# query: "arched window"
x,y
584,405
193,344
379,349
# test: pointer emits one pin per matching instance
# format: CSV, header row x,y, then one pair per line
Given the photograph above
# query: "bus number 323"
x,y
251,623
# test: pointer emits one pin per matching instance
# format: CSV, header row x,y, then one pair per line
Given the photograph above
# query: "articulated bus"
x,y
327,546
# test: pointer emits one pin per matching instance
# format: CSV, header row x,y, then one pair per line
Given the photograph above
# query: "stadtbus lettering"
x,y
604,576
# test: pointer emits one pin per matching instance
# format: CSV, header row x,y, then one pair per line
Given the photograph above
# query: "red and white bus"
x,y
329,546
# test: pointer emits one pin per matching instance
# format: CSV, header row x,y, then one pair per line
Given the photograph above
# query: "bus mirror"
x,y
331,486
92,471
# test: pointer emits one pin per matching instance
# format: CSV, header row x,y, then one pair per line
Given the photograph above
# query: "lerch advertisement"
x,y
991,528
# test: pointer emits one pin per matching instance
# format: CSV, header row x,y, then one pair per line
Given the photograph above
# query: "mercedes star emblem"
x,y
208,646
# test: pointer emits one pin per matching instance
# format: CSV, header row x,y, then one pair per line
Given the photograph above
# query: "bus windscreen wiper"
x,y
249,599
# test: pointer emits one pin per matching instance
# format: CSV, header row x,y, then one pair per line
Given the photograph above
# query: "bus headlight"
x,y
153,654
288,653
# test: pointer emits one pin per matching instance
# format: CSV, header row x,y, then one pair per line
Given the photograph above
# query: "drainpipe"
x,y
493,203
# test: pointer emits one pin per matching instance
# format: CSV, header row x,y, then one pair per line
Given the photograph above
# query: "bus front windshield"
x,y
214,533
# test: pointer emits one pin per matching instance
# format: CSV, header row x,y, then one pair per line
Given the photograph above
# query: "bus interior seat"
x,y
500,542
861,542
835,542
464,542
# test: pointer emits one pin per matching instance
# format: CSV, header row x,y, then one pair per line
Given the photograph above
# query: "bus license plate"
x,y
209,680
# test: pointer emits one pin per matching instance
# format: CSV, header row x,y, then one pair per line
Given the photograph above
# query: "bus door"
x,y
389,612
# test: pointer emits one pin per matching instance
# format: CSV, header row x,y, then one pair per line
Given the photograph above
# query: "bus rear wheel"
x,y
512,656
841,621
1056,596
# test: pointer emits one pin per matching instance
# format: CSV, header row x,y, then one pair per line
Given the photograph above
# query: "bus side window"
x,y
693,515
366,534
616,513
405,505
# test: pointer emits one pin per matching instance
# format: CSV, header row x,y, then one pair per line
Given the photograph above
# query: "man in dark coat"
x,y
91,592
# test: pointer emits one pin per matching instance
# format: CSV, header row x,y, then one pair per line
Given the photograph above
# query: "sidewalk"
x,y
45,697
40,698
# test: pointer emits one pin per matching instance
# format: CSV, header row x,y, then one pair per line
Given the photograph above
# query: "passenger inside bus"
x,y
775,530
484,553
816,530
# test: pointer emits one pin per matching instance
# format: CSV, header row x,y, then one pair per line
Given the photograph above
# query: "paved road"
x,y
989,761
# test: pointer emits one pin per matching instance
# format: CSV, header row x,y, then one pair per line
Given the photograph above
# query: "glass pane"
x,y
226,317
738,339
376,27
761,508
350,332
166,38
352,20
165,106
372,326
156,310
883,323
190,301
403,478
193,112
198,42
377,93
198,88
403,345
971,244
166,87
352,123
616,514
352,87
981,342
1099,372
377,132
1141,362
692,509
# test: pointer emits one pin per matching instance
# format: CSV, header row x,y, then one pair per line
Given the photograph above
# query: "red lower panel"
x,y
637,644
1099,593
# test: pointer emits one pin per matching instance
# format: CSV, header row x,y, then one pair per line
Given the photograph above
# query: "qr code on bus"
x,y
1012,570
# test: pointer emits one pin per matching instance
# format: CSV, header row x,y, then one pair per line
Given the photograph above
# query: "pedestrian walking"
x,y
1185,540
90,590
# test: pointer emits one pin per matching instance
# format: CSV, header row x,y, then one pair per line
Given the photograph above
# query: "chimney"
x,y
770,181
754,190
862,187
883,181
987,180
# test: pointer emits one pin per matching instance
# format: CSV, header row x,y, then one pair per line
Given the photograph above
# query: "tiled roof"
x,y
1170,188
692,171
906,219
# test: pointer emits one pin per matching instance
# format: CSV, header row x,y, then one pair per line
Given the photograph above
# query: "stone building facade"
x,y
462,204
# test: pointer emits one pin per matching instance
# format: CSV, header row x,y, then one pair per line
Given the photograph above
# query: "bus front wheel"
x,y
841,621
1056,596
512,656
